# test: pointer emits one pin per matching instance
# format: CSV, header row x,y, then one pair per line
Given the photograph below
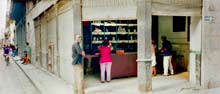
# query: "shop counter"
x,y
124,65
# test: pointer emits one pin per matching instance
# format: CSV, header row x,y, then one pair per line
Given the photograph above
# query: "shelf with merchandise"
x,y
121,33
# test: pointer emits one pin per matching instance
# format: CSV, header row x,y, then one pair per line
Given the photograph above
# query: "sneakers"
x,y
106,81
167,74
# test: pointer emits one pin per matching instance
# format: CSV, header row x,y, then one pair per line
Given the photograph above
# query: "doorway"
x,y
177,31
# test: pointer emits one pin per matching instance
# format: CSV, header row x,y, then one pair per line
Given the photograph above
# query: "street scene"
x,y
109,47
13,80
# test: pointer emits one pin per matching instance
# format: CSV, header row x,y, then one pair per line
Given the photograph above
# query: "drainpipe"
x,y
57,42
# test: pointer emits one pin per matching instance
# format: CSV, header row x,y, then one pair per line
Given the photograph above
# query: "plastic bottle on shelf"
x,y
94,38
113,38
135,30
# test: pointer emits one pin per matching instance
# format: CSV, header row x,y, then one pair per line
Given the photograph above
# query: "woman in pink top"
x,y
105,60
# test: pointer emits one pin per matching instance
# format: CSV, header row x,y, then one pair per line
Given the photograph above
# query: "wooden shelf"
x,y
115,41
112,24
114,33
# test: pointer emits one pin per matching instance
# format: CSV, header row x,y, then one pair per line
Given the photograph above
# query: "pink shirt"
x,y
105,54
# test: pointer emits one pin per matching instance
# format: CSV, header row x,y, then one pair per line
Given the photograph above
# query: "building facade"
x,y
51,26
17,14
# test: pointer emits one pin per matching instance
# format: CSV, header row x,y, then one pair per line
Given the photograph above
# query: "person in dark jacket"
x,y
167,56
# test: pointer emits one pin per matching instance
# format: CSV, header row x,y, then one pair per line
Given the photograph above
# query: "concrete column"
x,y
210,44
144,17
195,50
198,69
77,17
195,68
77,29
57,42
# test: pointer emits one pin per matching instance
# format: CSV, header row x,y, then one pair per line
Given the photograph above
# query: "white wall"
x,y
195,33
178,39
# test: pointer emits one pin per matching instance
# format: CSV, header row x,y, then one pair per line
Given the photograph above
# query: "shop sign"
x,y
208,18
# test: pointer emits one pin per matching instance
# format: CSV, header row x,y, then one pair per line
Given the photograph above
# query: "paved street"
x,y
13,80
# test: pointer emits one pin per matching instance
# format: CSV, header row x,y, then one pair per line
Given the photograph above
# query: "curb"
x,y
32,82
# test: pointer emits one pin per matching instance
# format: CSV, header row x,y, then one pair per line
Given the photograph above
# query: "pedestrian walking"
x,y
16,50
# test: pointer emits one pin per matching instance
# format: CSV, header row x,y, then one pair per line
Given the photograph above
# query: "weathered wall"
x,y
211,44
66,41
177,7
52,39
178,39
21,36
109,9
96,10
31,15
65,36
127,9
195,50
40,8
46,34
43,41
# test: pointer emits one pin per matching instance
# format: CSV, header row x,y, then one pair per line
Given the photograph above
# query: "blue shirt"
x,y
167,45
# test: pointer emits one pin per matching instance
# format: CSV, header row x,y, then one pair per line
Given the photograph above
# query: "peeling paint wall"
x,y
211,44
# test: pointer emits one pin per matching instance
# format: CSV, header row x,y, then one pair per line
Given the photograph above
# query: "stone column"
x,y
144,17
195,68
77,29
210,44
198,69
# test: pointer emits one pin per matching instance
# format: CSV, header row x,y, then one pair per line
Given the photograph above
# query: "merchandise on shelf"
x,y
121,33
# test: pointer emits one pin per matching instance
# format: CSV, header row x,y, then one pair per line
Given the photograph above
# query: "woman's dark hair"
x,y
105,42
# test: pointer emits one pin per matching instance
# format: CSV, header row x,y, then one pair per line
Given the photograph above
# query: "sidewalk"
x,y
177,84
43,80
50,84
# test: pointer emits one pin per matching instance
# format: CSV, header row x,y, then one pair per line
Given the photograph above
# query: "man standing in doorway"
x,y
77,54
167,56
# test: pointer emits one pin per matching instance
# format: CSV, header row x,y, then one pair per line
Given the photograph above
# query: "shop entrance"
x,y
122,35
177,31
